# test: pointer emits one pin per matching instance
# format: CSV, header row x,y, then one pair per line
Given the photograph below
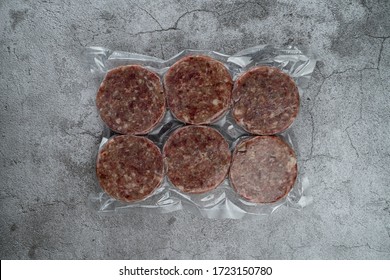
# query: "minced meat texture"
x,y
131,100
264,169
197,158
129,168
198,89
266,100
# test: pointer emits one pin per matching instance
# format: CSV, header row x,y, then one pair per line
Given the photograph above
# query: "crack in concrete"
x,y
146,11
380,53
79,41
313,132
162,51
378,37
328,77
191,12
86,132
378,63
347,247
311,114
154,31
14,51
295,249
174,27
353,146
360,116
322,156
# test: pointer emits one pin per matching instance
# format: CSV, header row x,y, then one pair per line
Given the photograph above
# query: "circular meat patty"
x,y
197,158
198,89
264,169
266,100
129,168
131,100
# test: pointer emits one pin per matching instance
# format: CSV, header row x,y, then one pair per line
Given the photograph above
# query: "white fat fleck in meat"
x,y
241,148
216,102
252,155
239,112
291,163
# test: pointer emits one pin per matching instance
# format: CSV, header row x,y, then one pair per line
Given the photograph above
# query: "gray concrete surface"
x,y
50,129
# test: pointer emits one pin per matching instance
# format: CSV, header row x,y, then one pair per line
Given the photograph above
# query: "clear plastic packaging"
x,y
222,202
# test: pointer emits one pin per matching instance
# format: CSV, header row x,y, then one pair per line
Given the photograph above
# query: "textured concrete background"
x,y
50,129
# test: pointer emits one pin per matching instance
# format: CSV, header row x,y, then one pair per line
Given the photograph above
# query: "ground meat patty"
x,y
266,101
129,168
264,169
197,158
198,89
131,100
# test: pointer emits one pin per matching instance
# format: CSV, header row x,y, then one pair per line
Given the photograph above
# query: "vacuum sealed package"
x,y
202,131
